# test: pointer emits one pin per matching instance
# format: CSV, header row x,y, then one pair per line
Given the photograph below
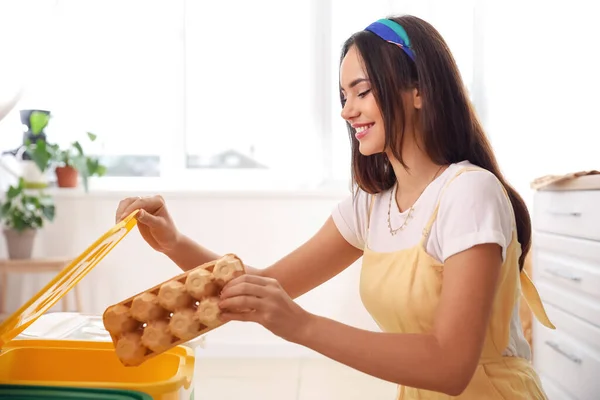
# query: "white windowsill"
x,y
124,187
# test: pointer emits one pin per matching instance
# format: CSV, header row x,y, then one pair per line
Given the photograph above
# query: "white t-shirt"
x,y
473,210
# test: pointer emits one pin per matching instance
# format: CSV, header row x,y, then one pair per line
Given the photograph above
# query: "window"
x,y
113,68
252,90
117,72
233,95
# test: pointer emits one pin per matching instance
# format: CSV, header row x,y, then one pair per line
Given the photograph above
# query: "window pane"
x,y
113,68
250,86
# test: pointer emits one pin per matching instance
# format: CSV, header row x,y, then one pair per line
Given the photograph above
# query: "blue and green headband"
x,y
392,32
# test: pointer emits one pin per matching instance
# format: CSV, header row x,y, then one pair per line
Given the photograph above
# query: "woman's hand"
x,y
262,300
154,221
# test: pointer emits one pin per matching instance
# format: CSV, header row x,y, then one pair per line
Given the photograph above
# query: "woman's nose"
x,y
349,111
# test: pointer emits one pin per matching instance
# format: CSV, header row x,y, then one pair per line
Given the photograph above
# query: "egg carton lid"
x,y
64,281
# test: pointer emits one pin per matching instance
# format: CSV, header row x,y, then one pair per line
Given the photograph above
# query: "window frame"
x,y
174,173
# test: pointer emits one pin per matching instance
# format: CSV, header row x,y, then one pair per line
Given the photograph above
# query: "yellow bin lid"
x,y
64,281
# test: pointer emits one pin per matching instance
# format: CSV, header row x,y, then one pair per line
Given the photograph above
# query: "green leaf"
x,y
101,171
46,200
5,209
13,192
86,183
78,147
40,155
38,121
19,224
92,136
49,212
80,165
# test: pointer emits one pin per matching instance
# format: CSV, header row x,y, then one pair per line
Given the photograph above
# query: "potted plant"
x,y
34,156
23,213
72,162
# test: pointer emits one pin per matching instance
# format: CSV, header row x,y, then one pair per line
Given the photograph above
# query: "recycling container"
x,y
81,358
23,392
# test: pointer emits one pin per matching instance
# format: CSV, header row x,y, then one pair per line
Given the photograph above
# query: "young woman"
x,y
442,235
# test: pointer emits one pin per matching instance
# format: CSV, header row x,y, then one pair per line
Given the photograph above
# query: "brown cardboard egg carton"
x,y
171,313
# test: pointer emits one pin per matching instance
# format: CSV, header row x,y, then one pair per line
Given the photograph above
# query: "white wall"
x,y
538,90
260,228
539,84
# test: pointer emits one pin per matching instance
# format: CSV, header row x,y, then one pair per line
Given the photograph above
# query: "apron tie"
x,y
532,297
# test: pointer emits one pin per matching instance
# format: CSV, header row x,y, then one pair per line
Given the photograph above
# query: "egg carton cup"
x,y
171,313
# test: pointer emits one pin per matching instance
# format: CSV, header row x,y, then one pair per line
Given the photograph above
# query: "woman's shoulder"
x,y
468,181
473,208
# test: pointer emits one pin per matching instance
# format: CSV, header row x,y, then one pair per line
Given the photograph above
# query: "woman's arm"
x,y
443,360
322,257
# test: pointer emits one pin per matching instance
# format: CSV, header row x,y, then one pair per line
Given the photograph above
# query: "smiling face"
x,y
360,108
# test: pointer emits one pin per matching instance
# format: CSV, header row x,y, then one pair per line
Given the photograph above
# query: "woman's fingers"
x,y
241,303
151,204
244,289
123,205
253,279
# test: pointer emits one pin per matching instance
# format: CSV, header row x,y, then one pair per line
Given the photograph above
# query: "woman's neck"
x,y
412,181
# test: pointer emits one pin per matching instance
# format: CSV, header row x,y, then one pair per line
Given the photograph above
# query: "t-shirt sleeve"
x,y
473,210
350,217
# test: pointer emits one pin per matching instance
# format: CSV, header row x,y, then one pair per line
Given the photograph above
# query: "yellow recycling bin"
x,y
84,363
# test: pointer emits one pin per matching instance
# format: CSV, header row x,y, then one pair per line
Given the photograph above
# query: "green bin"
x,y
27,392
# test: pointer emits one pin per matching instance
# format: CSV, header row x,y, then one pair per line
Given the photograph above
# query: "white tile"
x,y
285,379
241,388
329,380
247,368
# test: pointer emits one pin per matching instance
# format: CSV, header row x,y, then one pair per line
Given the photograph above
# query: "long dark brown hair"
x,y
451,131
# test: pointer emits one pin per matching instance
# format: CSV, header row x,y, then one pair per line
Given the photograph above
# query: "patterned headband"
x,y
392,32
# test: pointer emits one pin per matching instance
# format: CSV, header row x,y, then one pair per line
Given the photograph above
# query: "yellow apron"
x,y
401,291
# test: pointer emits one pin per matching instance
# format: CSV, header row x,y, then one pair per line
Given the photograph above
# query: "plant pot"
x,y
19,244
67,177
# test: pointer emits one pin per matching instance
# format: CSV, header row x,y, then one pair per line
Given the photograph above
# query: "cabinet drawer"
x,y
571,213
578,273
571,364
553,391
570,302
584,250
575,328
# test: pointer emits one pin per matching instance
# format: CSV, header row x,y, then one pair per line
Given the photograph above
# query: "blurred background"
x,y
230,109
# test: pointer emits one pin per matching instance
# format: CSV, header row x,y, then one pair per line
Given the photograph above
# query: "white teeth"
x,y
359,129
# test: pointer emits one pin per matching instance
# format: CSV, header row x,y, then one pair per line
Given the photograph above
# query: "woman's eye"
x,y
363,94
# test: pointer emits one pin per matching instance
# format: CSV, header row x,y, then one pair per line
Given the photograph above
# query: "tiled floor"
x,y
285,379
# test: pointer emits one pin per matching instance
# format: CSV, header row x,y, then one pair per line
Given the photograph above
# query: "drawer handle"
x,y
557,348
564,213
563,274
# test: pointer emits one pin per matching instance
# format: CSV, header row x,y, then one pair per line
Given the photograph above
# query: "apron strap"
x,y
528,289
532,297
371,202
433,216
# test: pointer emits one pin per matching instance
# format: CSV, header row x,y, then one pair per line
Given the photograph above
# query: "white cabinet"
x,y
566,271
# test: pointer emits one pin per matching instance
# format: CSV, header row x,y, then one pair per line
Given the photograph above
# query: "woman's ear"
x,y
417,103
